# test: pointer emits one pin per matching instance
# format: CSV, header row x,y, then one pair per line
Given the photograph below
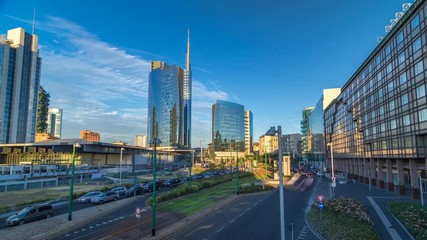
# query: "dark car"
x,y
149,186
172,182
30,214
136,189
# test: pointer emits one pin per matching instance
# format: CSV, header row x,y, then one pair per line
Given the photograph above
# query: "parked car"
x,y
88,197
119,190
105,197
30,214
136,189
207,174
172,182
149,186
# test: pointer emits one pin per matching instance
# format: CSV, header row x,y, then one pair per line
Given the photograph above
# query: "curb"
x,y
401,224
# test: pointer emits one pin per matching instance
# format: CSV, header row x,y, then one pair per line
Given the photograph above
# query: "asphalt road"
x,y
254,216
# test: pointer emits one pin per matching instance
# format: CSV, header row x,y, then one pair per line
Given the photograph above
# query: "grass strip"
x,y
412,216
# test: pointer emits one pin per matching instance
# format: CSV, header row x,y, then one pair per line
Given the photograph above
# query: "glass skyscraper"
x,y
19,84
169,104
228,126
54,122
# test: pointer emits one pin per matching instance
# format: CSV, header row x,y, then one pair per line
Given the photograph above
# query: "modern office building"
x,y
90,136
292,145
248,132
228,127
316,126
268,144
377,127
169,104
54,122
19,84
305,132
140,141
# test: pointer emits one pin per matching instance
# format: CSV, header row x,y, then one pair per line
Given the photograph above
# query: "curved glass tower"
x,y
169,103
228,126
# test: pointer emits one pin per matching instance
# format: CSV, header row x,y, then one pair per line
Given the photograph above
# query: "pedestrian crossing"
x,y
304,233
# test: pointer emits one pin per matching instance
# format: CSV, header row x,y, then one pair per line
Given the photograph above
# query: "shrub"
x,y
413,216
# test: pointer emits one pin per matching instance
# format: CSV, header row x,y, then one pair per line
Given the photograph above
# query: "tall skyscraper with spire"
x,y
169,103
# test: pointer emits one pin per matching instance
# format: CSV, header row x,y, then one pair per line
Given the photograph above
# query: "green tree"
x,y
42,110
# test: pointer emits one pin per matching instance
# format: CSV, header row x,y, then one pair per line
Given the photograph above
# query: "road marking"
x,y
255,204
67,235
104,223
393,233
110,220
249,209
232,221
98,225
241,214
83,229
91,227
121,217
219,230
75,232
201,227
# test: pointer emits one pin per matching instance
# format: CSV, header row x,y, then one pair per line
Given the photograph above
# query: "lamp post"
x,y
201,152
192,163
272,132
237,173
153,212
121,159
421,188
70,204
333,170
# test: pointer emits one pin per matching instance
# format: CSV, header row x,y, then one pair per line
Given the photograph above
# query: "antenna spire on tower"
x,y
188,64
34,21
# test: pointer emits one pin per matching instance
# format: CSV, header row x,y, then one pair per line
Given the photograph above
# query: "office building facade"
x,y
54,122
228,127
140,141
316,126
90,136
377,126
292,145
19,84
248,132
169,104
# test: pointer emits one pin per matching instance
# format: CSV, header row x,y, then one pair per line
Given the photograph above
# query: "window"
x,y
366,132
381,110
382,127
384,145
399,37
416,45
422,115
373,114
389,68
406,120
408,142
402,78
378,60
393,124
394,143
380,93
401,58
387,50
374,130
415,22
391,105
419,67
405,99
390,87
421,91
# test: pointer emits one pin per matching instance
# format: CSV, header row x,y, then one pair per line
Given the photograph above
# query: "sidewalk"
x,y
375,201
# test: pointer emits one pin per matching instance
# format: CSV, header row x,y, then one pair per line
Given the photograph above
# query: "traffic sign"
x,y
333,179
334,184
321,205
138,211
320,198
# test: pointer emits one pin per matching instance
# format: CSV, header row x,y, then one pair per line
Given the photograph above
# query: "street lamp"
x,y
153,212
237,173
272,132
421,188
201,152
333,170
121,159
191,167
70,204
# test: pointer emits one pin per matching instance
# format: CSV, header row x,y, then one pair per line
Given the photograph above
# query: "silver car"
x,y
88,197
105,197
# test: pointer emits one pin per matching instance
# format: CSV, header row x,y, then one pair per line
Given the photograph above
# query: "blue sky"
x,y
274,57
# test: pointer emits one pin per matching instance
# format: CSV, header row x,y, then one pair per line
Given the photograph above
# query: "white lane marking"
x,y
219,230
110,220
67,235
393,233
201,227
91,227
75,232
98,225
232,221
249,209
241,214
83,229
104,223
